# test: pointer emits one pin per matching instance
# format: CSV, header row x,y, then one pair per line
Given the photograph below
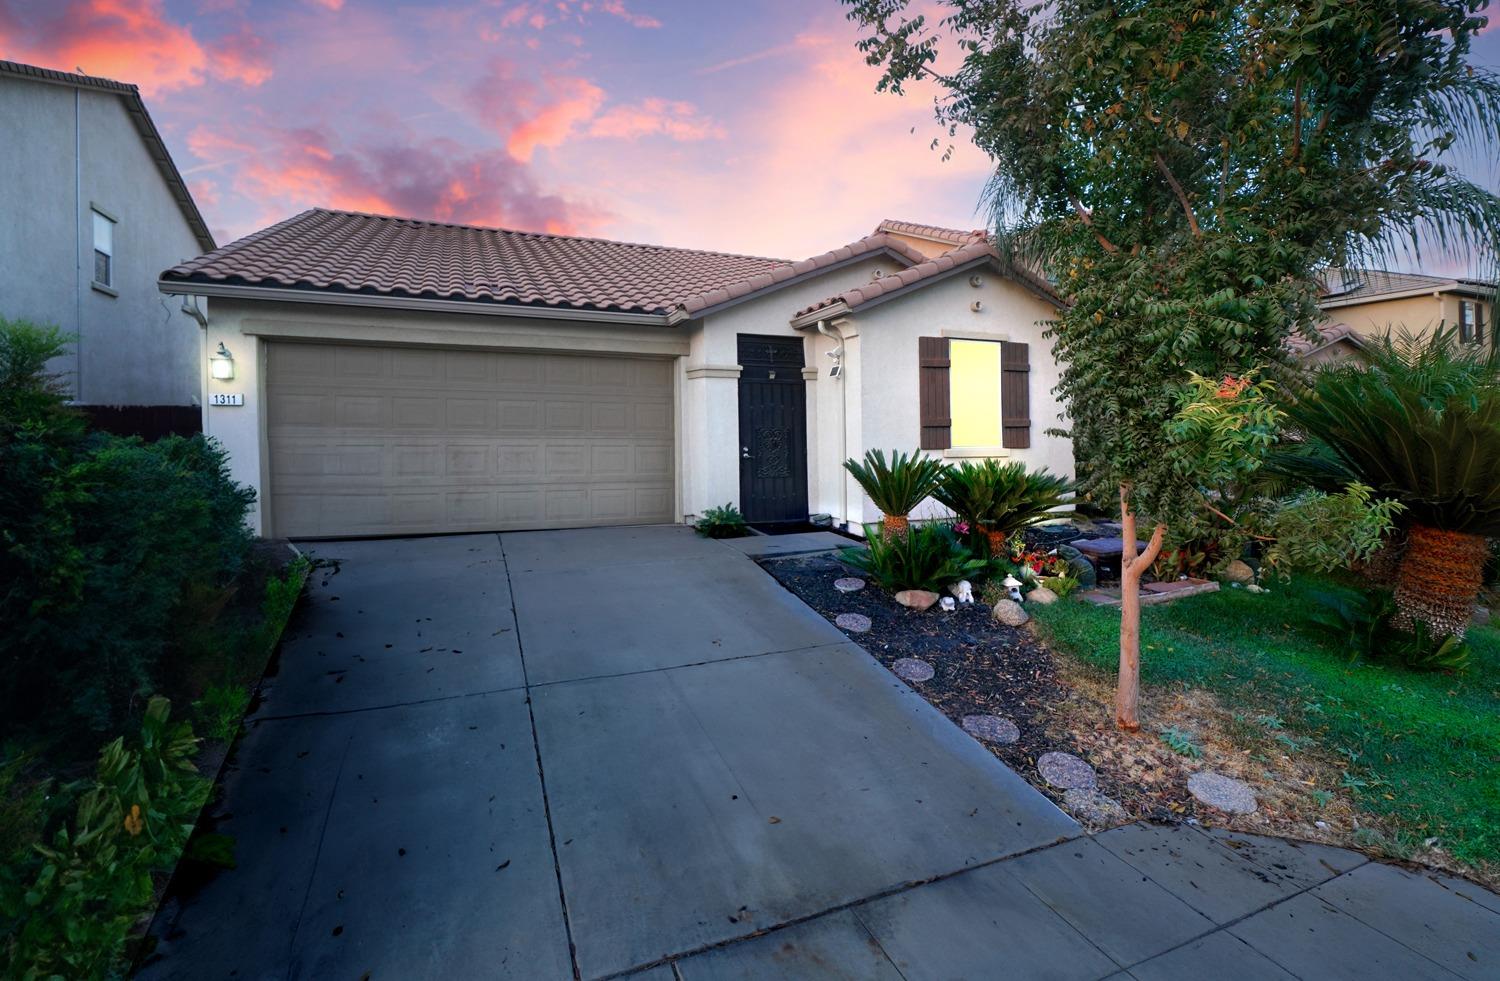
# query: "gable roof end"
x,y
933,232
787,273
155,146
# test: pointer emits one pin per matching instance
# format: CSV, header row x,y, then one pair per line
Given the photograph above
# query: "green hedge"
x,y
110,550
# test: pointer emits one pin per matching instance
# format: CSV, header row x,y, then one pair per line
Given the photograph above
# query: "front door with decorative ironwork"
x,y
773,429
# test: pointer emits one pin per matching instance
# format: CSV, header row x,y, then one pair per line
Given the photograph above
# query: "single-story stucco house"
x,y
383,375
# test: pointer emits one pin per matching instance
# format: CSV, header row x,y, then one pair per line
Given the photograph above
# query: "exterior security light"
x,y
221,364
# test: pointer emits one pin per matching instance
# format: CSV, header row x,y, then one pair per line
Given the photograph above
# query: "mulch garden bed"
x,y
980,667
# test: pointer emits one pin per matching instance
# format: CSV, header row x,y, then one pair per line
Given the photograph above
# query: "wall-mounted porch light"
x,y
221,364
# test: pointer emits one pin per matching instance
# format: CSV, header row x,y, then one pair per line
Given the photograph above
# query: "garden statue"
x,y
962,591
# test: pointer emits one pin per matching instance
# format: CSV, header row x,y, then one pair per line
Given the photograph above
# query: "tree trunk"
x,y
1438,580
1132,566
895,526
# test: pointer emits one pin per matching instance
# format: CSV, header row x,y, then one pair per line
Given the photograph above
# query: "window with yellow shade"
x,y
974,393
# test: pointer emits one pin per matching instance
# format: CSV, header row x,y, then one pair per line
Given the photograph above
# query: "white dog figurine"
x,y
947,604
962,591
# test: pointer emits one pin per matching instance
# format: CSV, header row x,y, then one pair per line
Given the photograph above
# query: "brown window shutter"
x,y
932,393
1015,395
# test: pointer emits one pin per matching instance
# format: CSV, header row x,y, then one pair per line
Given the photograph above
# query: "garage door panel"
x,y
369,441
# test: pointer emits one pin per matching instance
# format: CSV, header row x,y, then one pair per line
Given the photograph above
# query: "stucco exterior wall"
x,y
710,403
888,377
1418,314
134,348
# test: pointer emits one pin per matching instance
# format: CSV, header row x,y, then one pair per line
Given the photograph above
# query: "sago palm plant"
x,y
898,486
1023,498
1420,422
1002,499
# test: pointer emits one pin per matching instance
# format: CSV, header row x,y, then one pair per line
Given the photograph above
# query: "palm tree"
x,y
898,486
1419,422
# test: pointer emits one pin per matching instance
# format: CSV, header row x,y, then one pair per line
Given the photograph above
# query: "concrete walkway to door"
x,y
629,751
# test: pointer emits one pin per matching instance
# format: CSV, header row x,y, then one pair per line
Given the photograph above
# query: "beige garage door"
x,y
394,441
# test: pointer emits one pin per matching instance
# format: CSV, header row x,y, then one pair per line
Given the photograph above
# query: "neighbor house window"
x,y
1470,322
104,250
974,392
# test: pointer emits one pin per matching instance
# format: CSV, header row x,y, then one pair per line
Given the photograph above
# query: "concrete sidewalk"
x,y
615,751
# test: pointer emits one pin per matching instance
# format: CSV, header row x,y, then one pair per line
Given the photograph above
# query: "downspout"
x,y
192,309
77,250
838,361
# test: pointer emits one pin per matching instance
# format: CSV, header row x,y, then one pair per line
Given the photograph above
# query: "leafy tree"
x,y
1181,169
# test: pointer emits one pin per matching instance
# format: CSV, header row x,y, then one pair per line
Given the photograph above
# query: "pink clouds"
x,y
132,41
243,57
676,120
289,170
573,101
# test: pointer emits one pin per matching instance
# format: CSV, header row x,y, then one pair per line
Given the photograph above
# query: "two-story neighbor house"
x,y
94,209
1365,303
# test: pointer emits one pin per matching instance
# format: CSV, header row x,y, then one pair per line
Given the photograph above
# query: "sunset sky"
x,y
742,126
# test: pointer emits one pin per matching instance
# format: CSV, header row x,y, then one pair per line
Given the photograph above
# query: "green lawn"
x,y
1422,750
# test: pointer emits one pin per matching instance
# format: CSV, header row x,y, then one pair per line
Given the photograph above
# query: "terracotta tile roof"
x,y
975,251
144,125
1350,285
869,245
930,231
1328,335
353,252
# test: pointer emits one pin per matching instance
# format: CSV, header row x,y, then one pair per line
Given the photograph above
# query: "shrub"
x,y
67,911
1362,623
722,522
898,486
106,545
929,557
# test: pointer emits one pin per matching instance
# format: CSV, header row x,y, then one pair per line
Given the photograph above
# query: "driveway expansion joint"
x,y
541,774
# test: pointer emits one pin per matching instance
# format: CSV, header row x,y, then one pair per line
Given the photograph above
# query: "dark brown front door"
x,y
773,429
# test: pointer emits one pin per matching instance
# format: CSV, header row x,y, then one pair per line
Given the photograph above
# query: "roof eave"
x,y
242,291
1448,286
830,312
802,277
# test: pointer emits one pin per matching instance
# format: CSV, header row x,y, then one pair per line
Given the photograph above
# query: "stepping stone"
x,y
911,669
848,584
855,623
1225,793
991,728
1092,806
1066,771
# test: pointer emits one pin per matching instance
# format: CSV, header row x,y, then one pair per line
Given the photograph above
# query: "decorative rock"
x,y
1093,807
848,584
1009,612
1042,596
917,599
1239,571
1066,771
1224,793
855,623
911,669
991,728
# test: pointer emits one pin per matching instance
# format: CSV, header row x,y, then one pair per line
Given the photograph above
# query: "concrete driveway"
x,y
535,755
629,752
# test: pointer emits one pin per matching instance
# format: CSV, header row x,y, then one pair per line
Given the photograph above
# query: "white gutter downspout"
x,y
191,307
838,360
78,249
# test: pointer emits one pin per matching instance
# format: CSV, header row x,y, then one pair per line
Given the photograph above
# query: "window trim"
x,y
1471,331
96,211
